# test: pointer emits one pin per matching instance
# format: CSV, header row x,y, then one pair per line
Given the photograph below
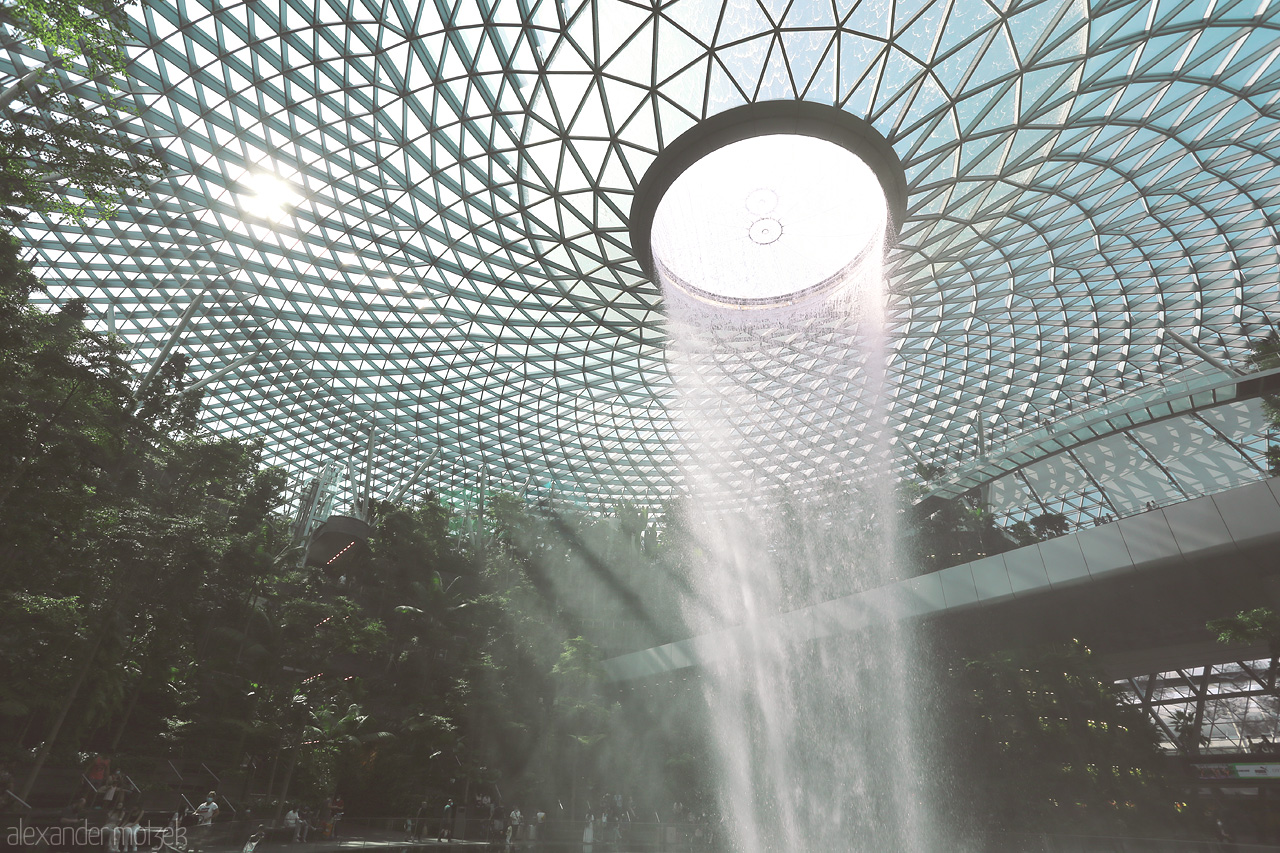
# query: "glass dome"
x,y
451,267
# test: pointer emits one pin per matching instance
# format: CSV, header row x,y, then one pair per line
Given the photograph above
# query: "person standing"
x,y
517,819
203,817
207,810
336,807
446,825
495,822
420,820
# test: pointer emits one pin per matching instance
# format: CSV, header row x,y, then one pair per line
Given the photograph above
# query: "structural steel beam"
x,y
1138,409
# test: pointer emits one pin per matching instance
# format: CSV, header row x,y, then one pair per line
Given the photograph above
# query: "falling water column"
x,y
770,252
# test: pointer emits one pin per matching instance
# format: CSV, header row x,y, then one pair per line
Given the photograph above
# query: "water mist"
x,y
770,252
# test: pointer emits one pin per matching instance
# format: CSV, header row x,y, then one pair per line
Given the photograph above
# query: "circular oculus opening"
x,y
768,221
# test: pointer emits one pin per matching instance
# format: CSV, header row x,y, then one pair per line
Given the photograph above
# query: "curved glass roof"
x,y
451,264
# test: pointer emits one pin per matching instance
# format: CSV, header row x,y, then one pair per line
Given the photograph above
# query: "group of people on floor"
x,y
324,820
604,823
499,824
109,791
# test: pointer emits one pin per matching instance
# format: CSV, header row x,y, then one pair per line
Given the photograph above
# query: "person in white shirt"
x,y
207,810
294,822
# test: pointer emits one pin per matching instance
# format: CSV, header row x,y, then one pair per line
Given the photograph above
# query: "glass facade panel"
x,y
448,263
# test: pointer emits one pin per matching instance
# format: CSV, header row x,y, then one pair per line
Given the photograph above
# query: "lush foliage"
x,y
1249,627
156,608
1264,354
939,534
1044,743
63,143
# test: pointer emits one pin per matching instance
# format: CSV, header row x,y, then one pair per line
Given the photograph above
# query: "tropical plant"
x,y
1042,740
63,146
1264,354
1187,729
1048,525
1249,627
331,735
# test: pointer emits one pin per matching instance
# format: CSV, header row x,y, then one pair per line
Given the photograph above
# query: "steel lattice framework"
x,y
1214,708
456,270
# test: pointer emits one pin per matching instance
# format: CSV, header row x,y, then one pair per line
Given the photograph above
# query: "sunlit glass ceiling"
x,y
414,217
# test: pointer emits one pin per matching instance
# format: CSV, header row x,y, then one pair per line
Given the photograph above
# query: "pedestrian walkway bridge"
x,y
1147,582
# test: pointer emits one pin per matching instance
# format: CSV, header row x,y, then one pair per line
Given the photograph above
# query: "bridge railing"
x,y
1029,843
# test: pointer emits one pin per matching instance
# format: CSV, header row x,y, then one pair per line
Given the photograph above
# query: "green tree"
x,y
125,532
582,713
1249,627
1264,354
326,737
578,676
1049,525
1044,742
64,403
38,647
1189,732
63,146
